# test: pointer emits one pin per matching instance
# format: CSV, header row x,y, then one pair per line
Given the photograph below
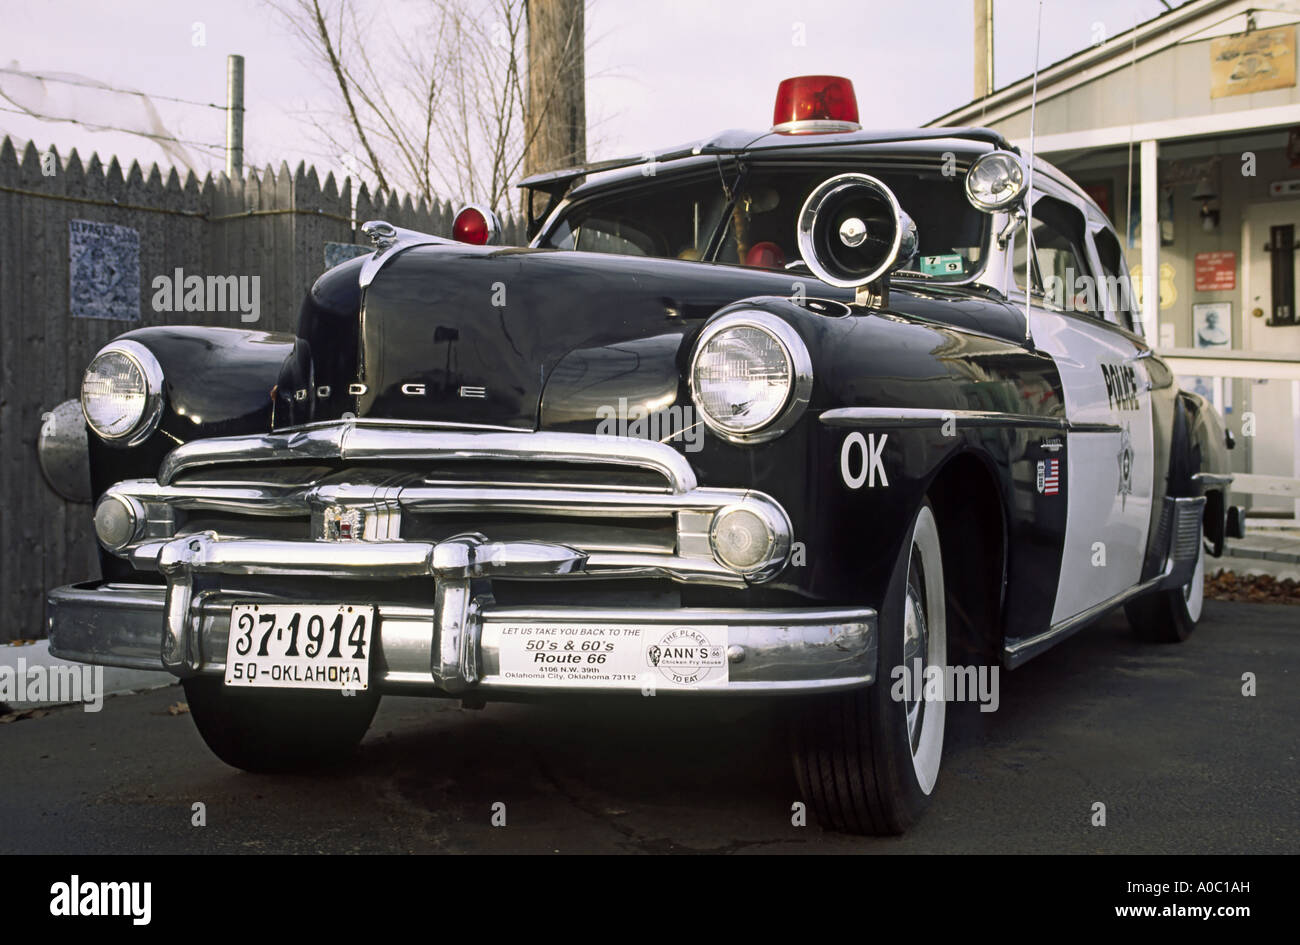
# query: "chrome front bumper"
x,y
453,646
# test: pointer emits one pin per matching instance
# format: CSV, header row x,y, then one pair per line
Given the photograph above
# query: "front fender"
x,y
216,382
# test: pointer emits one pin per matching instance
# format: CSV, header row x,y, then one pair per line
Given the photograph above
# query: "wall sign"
x,y
103,270
1252,62
1168,291
1216,272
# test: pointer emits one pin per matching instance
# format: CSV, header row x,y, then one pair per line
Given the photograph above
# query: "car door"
x,y
1107,475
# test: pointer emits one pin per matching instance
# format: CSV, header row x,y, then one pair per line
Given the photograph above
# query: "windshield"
x,y
695,218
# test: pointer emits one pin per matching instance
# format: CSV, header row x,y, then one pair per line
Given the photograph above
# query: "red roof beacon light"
x,y
815,104
477,226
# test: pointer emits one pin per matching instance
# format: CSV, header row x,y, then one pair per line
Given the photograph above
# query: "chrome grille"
x,y
631,507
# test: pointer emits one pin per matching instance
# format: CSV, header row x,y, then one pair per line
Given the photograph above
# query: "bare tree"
x,y
436,104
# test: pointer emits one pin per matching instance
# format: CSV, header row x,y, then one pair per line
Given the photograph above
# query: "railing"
x,y
1283,480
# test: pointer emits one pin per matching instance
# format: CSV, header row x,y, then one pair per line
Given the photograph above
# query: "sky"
x,y
659,73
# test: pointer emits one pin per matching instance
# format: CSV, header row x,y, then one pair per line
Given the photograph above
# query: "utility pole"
x,y
557,105
983,48
234,116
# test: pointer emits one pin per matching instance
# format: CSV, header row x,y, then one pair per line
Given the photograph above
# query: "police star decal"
x,y
1125,460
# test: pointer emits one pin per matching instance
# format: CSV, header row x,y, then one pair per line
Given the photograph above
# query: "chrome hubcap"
x,y
925,650
916,640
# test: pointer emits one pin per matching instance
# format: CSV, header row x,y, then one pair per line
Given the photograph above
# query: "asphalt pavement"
x,y
1161,735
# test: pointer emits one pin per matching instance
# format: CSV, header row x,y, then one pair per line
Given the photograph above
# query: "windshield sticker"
x,y
947,265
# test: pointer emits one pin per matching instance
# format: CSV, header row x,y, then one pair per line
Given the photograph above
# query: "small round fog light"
x,y
741,539
117,521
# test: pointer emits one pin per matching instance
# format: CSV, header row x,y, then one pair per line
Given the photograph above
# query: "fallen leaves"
x,y
1251,589
23,714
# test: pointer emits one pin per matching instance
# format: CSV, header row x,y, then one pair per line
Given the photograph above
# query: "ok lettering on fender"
x,y
870,464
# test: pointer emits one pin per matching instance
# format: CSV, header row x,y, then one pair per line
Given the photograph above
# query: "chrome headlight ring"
x,y
771,541
798,372
151,374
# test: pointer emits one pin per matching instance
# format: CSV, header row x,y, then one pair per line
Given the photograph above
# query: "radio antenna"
x,y
1030,266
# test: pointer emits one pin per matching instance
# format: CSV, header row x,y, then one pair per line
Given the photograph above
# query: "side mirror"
x,y
852,233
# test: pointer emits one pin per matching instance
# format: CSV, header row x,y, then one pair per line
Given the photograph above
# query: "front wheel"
x,y
278,730
1170,616
868,760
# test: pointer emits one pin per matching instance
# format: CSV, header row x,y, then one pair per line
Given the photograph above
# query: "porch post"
x,y
1149,172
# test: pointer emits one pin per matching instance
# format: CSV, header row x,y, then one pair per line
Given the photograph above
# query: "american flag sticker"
x,y
1049,476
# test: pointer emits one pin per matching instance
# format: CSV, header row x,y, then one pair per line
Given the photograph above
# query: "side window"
x,y
1019,269
1115,281
612,236
1066,280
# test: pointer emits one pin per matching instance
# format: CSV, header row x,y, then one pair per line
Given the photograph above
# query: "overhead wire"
x,y
109,88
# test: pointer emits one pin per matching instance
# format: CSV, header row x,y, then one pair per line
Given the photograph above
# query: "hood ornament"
x,y
388,241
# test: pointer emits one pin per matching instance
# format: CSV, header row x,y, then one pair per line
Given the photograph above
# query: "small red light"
x,y
820,98
470,227
766,255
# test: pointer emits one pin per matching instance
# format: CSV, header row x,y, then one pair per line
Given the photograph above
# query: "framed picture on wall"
x,y
1212,324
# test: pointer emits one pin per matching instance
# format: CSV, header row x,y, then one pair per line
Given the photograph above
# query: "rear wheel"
x,y
868,760
1170,616
278,730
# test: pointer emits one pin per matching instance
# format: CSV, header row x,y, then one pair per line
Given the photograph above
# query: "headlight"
x,y
751,376
995,181
121,393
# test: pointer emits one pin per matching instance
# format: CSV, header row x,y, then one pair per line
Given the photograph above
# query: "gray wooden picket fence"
x,y
274,224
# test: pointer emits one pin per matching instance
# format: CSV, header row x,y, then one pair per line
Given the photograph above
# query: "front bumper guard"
x,y
452,646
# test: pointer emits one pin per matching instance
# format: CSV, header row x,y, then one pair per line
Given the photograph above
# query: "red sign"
x,y
1216,272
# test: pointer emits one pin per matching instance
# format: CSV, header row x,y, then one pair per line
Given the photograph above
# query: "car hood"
x,y
473,335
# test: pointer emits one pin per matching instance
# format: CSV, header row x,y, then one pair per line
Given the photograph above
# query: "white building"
x,y
1193,120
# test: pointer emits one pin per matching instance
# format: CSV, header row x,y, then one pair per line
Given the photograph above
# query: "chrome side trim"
x,y
1210,480
934,416
1180,564
351,441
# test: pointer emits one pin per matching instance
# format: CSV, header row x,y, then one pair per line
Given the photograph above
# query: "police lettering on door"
x,y
1121,386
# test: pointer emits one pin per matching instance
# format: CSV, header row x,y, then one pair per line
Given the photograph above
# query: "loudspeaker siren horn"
x,y
851,231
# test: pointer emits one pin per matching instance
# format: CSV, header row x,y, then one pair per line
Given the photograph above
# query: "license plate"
x,y
613,656
300,646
